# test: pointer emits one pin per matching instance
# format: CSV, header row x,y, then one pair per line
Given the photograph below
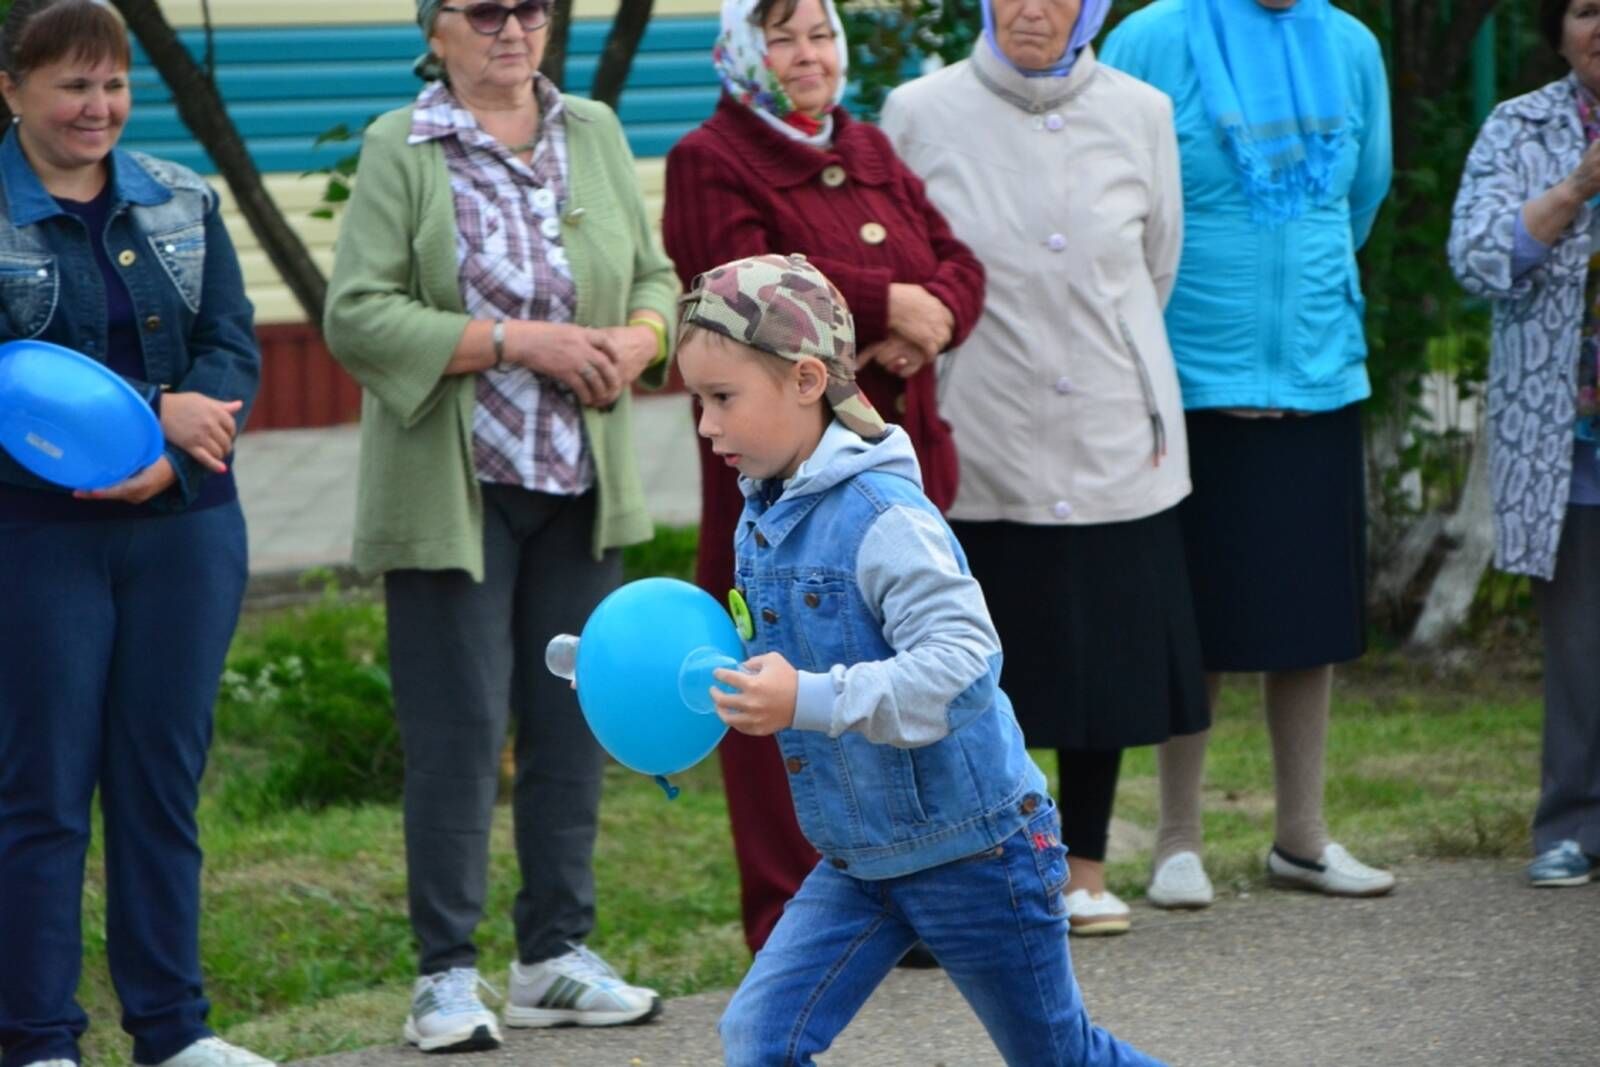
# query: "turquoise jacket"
x,y
1265,317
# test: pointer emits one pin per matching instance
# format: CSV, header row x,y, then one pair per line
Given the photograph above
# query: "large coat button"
x,y
833,176
127,257
873,233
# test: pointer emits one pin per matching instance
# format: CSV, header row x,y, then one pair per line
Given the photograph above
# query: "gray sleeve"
x,y
935,619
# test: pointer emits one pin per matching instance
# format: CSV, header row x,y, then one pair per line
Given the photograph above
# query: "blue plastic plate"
x,y
71,420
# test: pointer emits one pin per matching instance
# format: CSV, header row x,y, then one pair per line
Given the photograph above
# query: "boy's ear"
x,y
811,378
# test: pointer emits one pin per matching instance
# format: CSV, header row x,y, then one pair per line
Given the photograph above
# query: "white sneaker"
x,y
1090,914
210,1052
576,989
447,1016
1335,872
50,1063
1180,882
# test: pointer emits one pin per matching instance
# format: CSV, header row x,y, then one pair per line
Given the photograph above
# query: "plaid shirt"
x,y
527,429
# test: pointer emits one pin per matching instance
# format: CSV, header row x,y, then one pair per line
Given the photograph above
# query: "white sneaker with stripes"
x,y
575,989
447,1016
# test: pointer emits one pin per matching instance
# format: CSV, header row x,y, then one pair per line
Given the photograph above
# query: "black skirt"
x,y
1097,628
1276,535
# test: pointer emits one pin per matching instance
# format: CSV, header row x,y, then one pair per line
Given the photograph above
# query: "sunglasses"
x,y
489,19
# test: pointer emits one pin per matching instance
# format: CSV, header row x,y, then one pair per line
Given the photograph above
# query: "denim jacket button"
x,y
761,539
1030,804
838,864
127,257
153,323
812,600
794,764
768,615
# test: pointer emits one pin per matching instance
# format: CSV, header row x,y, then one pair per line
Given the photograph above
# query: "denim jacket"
x,y
183,278
904,753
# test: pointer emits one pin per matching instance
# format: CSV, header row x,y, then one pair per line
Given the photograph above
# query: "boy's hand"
x,y
764,703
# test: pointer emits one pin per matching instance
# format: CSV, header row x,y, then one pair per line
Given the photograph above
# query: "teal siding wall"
x,y
286,86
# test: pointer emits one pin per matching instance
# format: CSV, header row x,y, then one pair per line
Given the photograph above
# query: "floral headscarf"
x,y
740,56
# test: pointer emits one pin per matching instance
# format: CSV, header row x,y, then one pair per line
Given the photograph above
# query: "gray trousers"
x,y
466,658
1569,613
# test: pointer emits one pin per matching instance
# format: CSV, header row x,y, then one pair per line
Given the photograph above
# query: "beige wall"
x,y
297,197
355,12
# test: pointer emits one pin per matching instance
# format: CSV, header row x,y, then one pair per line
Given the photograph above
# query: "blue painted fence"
x,y
286,86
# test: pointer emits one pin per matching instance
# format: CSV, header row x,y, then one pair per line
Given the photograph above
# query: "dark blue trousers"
x,y
112,640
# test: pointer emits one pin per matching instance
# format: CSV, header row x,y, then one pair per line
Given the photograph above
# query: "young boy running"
x,y
873,659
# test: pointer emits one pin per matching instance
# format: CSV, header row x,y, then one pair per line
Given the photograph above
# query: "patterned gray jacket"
x,y
1527,145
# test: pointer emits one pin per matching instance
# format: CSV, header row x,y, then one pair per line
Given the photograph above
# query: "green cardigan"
x,y
395,317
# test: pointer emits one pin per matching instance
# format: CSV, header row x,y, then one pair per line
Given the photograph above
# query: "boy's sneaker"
x,y
447,1016
211,1052
1090,914
1180,882
51,1063
1335,872
576,989
1564,864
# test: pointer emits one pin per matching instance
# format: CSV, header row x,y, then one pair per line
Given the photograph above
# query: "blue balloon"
x,y
630,657
72,420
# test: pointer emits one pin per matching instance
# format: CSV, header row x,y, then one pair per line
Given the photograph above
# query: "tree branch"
x,y
622,44
203,112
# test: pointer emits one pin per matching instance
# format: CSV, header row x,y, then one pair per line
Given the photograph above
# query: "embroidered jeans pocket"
x,y
182,254
30,286
1043,835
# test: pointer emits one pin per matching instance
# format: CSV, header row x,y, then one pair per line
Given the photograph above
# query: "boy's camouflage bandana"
x,y
784,306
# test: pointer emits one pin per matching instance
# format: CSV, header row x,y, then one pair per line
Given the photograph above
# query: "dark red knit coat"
x,y
736,187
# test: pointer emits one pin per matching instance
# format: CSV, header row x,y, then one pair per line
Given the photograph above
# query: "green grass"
x,y
307,948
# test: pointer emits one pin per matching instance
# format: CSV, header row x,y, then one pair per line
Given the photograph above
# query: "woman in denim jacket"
x,y
120,603
1523,237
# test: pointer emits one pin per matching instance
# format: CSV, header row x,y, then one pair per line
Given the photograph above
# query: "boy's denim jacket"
x,y
905,753
167,238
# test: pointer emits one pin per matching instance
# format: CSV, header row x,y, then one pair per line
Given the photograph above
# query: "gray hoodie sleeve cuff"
x,y
813,703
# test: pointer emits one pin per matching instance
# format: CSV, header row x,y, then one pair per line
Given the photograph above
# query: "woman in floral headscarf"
x,y
781,167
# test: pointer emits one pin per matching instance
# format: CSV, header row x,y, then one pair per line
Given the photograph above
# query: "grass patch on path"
x,y
307,947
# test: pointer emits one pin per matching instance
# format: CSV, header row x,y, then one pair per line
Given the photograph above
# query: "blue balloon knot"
x,y
667,787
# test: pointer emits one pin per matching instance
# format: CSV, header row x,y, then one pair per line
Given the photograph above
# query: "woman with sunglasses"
x,y
496,292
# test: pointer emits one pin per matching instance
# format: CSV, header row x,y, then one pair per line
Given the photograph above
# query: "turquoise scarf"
x,y
1272,81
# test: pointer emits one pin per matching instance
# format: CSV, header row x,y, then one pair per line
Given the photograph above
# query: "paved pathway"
x,y
298,488
1462,967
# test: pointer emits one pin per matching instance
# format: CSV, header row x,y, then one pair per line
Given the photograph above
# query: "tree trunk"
x,y
554,66
1470,531
622,43
203,112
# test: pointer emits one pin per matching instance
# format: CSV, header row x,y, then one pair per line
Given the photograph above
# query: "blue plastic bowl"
x,y
72,420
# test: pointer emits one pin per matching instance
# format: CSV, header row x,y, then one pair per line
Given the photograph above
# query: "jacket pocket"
x,y
30,287
182,254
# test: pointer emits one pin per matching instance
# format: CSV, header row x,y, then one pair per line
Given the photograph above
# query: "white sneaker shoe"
x,y
576,989
1335,872
210,1052
1090,914
1180,882
447,1016
50,1063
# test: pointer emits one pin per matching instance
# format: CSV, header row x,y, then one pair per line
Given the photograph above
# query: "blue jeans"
x,y
997,923
112,640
